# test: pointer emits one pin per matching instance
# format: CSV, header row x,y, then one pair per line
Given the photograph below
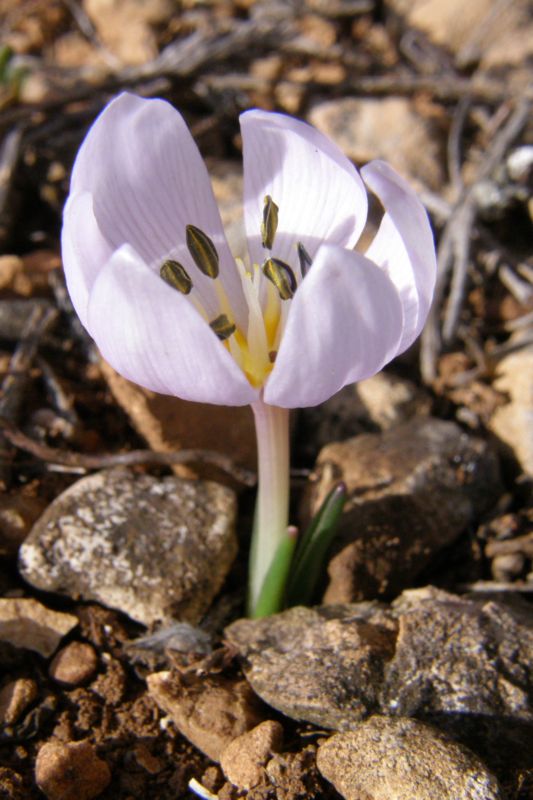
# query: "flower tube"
x,y
287,323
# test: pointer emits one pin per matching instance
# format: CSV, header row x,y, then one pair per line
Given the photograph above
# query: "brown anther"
x,y
202,250
281,276
176,276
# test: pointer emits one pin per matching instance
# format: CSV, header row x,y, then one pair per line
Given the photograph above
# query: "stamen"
x,y
222,327
269,225
305,259
203,251
272,356
176,276
281,276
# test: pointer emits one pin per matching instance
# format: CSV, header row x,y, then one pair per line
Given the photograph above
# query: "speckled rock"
x,y
429,654
411,491
26,623
70,771
156,549
243,761
403,759
210,711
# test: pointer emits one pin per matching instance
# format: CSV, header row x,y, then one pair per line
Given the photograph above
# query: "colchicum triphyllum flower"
x,y
284,325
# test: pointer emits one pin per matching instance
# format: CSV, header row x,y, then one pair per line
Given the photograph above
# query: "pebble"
x,y
412,490
387,127
155,549
244,759
15,697
26,623
402,759
513,422
74,665
210,711
429,653
70,771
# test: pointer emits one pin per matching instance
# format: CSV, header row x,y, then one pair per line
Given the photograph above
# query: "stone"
x,y
70,771
11,785
155,549
495,35
244,759
26,623
170,424
412,490
386,127
74,665
209,711
15,698
429,654
125,27
512,423
382,401
402,759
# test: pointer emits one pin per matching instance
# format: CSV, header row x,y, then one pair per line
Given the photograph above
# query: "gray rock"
x,y
431,654
156,549
403,759
411,491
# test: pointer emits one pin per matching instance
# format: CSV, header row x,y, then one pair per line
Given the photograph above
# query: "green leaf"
x,y
309,557
272,593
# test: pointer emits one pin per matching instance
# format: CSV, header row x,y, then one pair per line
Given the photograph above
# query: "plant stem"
x,y
272,505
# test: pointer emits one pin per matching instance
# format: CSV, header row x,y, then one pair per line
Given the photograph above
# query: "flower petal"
x,y
344,324
84,250
403,246
154,336
148,182
318,190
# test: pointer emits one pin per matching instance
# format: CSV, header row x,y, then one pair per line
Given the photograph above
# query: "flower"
x,y
153,280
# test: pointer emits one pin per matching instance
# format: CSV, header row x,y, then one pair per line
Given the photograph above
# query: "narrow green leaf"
x,y
309,557
272,593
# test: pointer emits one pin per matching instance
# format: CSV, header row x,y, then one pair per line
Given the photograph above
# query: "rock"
x,y
402,759
125,26
496,35
11,785
385,127
74,664
153,548
430,654
244,759
170,424
70,771
15,698
513,422
382,401
24,622
209,711
411,491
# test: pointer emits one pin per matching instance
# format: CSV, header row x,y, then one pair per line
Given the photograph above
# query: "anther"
x,y
281,276
222,327
202,250
272,355
269,225
176,276
305,259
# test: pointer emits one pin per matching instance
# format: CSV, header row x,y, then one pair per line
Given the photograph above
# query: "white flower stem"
x,y
272,505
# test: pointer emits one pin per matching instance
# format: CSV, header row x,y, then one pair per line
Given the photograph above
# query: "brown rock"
x,y
411,491
70,771
403,759
388,128
24,622
125,26
513,422
211,712
168,423
11,785
15,698
244,759
74,664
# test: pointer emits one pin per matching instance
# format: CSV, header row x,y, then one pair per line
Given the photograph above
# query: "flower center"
x,y
266,290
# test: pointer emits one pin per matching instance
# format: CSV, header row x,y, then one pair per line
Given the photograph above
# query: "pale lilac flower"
x,y
340,316
139,180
